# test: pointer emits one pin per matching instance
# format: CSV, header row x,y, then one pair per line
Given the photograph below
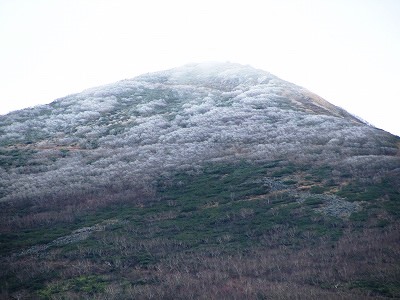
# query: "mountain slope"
x,y
160,171
164,119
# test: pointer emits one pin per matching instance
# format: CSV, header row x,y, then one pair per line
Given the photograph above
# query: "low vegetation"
x,y
225,231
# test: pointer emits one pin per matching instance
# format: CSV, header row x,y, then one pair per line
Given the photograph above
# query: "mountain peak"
x,y
200,73
214,68
227,76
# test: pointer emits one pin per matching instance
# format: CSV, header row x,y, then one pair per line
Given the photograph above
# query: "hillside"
x,y
205,181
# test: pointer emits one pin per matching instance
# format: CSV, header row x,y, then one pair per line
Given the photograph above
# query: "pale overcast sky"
x,y
346,51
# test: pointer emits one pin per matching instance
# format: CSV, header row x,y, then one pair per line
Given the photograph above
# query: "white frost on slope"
x,y
121,133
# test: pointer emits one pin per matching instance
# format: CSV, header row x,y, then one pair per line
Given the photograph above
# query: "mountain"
x,y
212,180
